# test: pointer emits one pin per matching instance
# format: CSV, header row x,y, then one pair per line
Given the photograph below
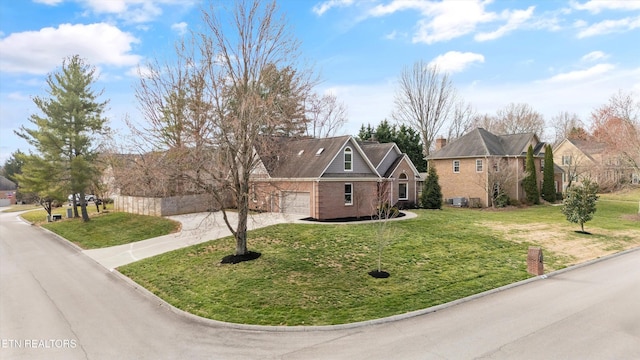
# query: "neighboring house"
x,y
582,159
332,178
7,192
475,166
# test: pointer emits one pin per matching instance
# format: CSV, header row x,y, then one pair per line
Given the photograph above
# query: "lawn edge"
x,y
303,328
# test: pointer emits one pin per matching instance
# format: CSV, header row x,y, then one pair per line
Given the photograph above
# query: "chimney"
x,y
440,143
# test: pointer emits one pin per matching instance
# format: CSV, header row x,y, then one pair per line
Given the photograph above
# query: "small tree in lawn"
x,y
530,182
579,204
384,212
548,182
431,197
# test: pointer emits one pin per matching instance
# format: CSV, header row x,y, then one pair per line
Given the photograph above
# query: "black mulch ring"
x,y
379,274
235,259
350,219
583,232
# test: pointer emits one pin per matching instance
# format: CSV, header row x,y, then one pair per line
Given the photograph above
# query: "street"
x,y
57,303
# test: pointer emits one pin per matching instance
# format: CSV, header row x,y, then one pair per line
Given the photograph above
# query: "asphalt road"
x,y
57,303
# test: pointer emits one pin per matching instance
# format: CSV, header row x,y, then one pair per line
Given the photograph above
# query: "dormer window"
x,y
348,159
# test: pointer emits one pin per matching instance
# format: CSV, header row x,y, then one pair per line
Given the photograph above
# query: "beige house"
x,y
479,164
582,159
333,178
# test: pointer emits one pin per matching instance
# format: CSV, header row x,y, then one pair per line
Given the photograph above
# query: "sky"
x,y
552,55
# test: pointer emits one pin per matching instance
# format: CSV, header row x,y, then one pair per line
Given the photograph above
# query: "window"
x,y
496,166
541,165
348,194
348,159
403,194
566,159
479,165
456,166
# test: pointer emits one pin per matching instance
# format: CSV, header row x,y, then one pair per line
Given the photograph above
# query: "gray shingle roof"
x,y
480,142
297,158
6,184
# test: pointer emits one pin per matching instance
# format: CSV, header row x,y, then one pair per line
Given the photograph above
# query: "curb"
x,y
394,318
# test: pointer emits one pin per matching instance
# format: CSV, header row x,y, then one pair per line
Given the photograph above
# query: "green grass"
x,y
18,208
318,274
104,229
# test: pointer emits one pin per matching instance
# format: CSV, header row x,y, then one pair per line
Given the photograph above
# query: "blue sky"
x,y
553,55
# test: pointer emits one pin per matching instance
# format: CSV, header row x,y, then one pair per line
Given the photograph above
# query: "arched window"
x,y
348,159
403,193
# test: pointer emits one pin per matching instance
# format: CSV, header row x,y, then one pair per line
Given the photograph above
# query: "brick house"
x,y
476,165
332,178
584,158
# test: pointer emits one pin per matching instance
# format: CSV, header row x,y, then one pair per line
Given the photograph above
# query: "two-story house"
x,y
479,164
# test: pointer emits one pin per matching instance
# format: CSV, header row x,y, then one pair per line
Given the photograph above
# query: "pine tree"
x,y
530,182
65,135
579,204
548,181
431,197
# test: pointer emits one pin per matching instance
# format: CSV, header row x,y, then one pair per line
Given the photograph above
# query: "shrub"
x,y
431,197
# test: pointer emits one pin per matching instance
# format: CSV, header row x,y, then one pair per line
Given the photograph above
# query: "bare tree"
x,y
462,119
500,176
325,114
617,124
518,119
424,101
565,124
233,86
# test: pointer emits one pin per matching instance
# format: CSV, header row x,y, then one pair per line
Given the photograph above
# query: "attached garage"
x,y
292,202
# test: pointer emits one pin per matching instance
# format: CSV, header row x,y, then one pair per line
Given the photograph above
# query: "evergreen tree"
x,y
548,181
579,204
407,139
13,166
530,182
66,133
431,197
366,133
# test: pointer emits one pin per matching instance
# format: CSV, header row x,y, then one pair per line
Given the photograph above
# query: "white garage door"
x,y
295,203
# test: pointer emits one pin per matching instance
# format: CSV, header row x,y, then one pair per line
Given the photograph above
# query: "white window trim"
x,y
351,193
406,191
454,166
350,151
479,162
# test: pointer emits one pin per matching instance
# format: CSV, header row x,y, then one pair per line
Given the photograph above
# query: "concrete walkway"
x,y
196,229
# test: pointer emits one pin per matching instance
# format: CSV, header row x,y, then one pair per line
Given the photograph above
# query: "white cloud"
x,y
578,75
49,2
596,6
610,26
39,52
515,19
455,61
446,20
180,28
327,5
594,56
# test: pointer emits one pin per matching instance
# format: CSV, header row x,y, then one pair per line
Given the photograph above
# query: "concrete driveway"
x,y
196,228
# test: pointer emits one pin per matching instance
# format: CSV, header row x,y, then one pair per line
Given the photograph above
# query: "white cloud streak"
x,y
596,6
515,19
594,56
455,61
610,26
39,52
578,75
321,8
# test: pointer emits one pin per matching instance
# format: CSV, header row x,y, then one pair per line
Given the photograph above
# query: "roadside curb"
x,y
265,328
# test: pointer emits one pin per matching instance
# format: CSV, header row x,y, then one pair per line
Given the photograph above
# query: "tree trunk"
x,y
241,230
83,207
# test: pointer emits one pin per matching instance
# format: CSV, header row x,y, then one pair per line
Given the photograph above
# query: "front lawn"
x,y
318,274
104,229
